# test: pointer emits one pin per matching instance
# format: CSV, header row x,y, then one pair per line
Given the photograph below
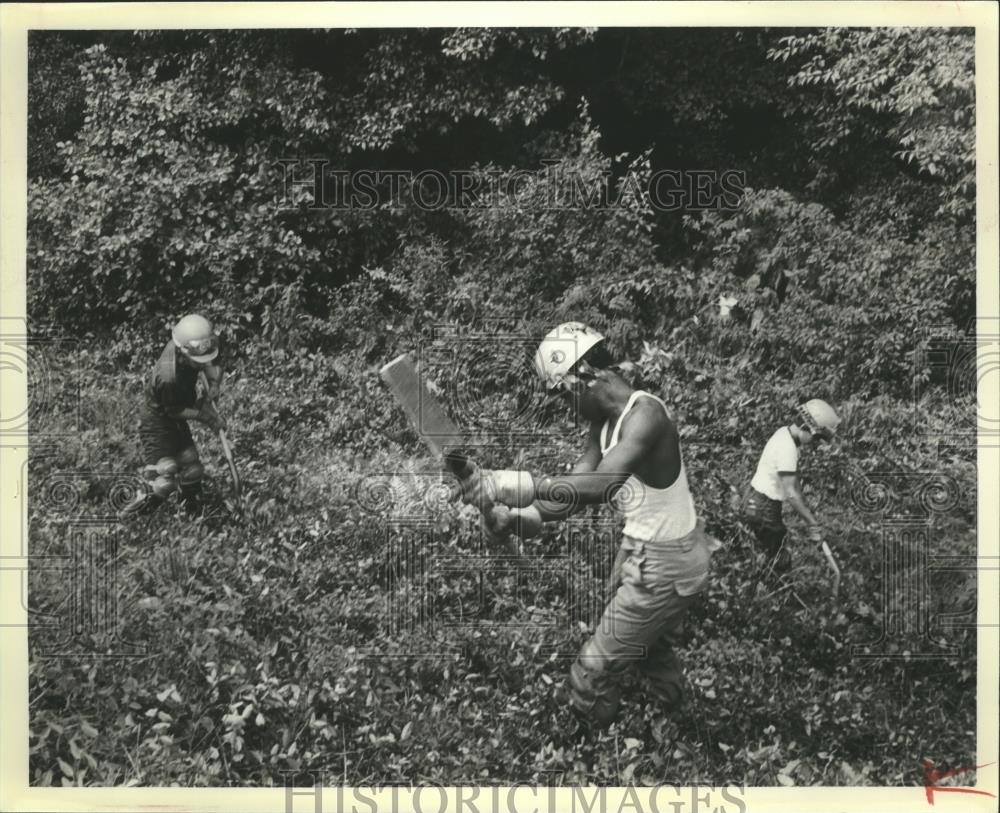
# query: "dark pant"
x,y
168,446
162,437
771,540
763,515
655,584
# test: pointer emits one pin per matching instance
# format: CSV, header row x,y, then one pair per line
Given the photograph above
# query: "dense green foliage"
x,y
156,190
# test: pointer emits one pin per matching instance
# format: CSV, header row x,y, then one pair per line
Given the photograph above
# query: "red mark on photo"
x,y
932,776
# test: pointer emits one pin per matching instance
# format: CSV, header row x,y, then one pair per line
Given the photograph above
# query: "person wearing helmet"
x,y
775,481
181,388
633,459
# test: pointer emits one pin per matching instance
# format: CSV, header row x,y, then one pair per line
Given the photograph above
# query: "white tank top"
x,y
652,514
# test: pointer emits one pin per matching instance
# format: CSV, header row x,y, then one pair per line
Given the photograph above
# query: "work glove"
x,y
498,524
478,488
483,487
498,529
474,489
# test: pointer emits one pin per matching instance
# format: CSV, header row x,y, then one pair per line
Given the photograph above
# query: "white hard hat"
x,y
563,347
819,417
195,338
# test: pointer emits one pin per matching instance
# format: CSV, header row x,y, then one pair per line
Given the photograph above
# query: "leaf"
x,y
66,768
787,781
405,733
633,743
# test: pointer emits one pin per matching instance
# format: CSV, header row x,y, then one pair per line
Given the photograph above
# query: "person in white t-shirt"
x,y
776,480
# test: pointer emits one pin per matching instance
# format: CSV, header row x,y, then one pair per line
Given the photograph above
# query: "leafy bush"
x,y
267,637
271,638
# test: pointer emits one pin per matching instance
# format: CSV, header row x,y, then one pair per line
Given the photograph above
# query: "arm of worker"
x,y
171,402
538,499
527,522
551,511
206,389
591,457
584,486
206,415
793,496
213,374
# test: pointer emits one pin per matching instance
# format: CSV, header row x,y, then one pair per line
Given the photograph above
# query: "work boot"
x,y
141,506
593,696
190,498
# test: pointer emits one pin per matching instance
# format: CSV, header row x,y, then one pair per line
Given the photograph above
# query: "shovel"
x,y
227,450
833,565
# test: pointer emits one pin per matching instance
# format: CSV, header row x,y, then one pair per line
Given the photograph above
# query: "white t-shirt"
x,y
779,455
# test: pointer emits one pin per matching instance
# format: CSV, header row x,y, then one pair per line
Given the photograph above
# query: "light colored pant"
x,y
654,583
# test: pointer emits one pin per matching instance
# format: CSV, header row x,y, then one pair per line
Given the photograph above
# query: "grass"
x,y
323,630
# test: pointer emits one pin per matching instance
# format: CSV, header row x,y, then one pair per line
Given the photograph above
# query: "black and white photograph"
x,y
500,408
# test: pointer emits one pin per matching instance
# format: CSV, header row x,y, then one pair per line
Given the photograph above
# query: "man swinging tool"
x,y
776,482
633,456
176,393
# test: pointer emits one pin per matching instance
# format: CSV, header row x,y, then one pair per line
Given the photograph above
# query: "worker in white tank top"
x,y
651,514
663,561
